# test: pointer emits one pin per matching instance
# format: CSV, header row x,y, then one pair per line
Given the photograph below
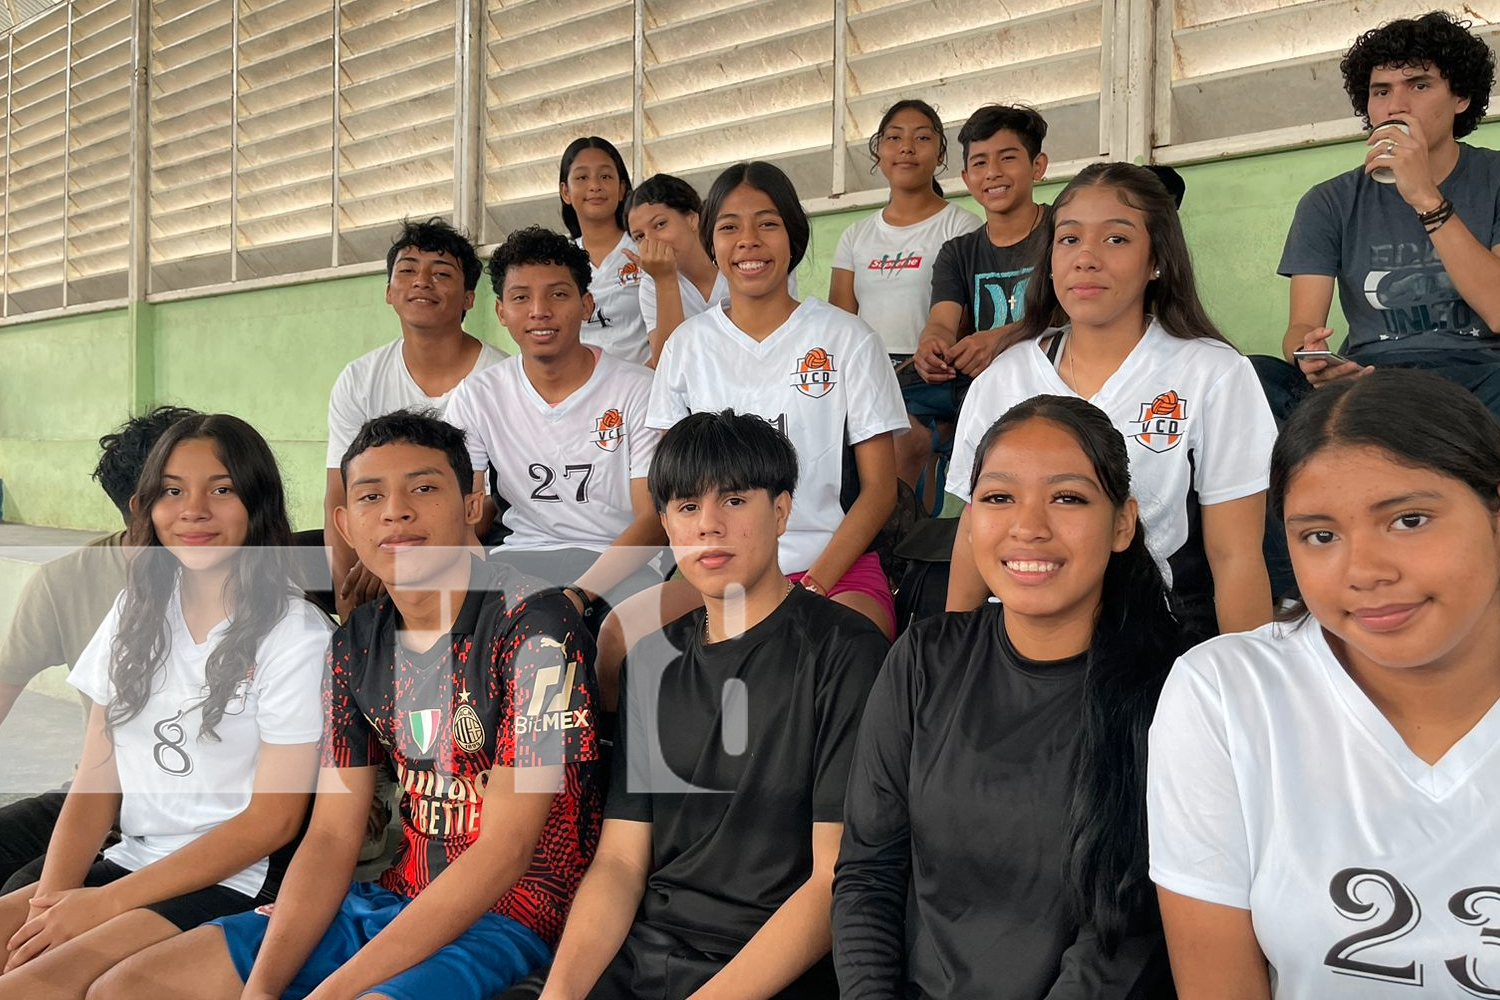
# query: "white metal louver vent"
x,y
553,72
730,81
1236,75
396,118
36,179
284,136
958,55
98,202
191,136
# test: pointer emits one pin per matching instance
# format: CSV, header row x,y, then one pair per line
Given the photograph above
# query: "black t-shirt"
x,y
988,281
514,687
770,718
950,880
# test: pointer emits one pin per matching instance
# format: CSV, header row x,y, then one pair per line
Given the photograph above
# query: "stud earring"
x,y
1156,273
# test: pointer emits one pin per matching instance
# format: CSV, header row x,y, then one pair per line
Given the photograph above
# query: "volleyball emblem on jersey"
x,y
468,731
424,727
815,374
1163,422
630,275
609,429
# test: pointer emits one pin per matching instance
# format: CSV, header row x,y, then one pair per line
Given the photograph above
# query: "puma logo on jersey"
x,y
815,374
552,714
1163,422
609,429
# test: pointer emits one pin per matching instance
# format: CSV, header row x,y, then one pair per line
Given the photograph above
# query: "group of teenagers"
x,y
613,622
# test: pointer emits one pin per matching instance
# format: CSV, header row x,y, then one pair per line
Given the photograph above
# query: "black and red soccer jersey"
x,y
513,686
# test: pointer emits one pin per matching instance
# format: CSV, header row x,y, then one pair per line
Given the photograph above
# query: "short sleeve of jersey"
x,y
642,439
288,671
647,290
546,662
845,679
875,404
669,398
90,674
345,417
948,281
463,413
348,738
972,424
1199,847
1238,434
1313,242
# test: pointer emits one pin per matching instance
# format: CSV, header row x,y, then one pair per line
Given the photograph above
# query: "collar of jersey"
x,y
1436,781
178,623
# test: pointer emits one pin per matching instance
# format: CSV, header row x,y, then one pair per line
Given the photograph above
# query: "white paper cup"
x,y
1386,175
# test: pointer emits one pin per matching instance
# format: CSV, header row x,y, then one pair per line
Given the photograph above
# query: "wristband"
x,y
1432,221
582,595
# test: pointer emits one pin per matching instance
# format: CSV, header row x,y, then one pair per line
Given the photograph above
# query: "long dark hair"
x,y
1135,641
256,592
927,110
1172,296
569,213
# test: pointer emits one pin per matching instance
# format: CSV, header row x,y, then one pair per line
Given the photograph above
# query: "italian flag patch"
x,y
424,727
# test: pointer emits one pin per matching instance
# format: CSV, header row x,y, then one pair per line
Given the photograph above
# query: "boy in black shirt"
x,y
736,726
979,279
476,687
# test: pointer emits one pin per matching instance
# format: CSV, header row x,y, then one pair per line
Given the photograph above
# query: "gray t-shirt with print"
x,y
1395,292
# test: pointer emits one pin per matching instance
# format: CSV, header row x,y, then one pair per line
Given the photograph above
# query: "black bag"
x,y
922,589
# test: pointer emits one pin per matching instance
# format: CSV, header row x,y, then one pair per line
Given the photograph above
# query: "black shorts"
x,y
186,911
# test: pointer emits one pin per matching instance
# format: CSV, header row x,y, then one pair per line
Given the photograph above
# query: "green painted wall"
x,y
272,355
63,383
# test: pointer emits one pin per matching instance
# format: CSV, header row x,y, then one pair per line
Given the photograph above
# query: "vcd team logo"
x,y
630,275
815,373
1163,422
609,429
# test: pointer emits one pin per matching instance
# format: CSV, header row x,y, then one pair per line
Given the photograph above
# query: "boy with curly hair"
x,y
1411,237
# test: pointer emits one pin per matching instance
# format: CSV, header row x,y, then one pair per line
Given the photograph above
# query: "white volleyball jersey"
x,y
1196,424
378,383
177,785
1275,785
823,377
892,268
616,326
693,301
565,470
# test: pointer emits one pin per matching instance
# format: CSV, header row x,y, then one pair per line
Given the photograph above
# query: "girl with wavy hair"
x,y
202,742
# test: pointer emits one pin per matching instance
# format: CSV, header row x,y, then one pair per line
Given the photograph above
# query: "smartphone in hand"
x,y
1332,357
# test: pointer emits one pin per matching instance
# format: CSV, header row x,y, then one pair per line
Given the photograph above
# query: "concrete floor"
x,y
39,744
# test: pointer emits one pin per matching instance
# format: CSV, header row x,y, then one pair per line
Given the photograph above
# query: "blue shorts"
x,y
487,959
